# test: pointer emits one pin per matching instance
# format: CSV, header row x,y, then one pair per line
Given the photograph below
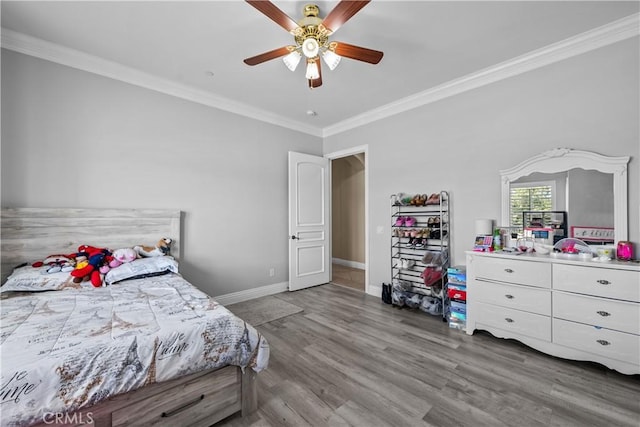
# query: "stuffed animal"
x,y
162,248
122,256
56,263
89,259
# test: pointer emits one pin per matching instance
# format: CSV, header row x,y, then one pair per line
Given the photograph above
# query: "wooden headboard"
x,y
30,234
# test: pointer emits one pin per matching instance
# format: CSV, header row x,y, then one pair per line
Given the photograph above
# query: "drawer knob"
x,y
509,320
507,296
603,282
603,313
508,270
603,342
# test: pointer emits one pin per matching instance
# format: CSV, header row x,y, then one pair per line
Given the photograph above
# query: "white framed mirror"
x,y
562,160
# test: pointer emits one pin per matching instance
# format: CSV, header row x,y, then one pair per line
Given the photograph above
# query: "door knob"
x,y
293,237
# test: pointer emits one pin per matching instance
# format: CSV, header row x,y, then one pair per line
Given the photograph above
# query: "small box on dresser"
x,y
580,310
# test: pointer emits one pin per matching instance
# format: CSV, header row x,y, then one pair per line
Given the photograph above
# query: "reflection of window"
x,y
530,196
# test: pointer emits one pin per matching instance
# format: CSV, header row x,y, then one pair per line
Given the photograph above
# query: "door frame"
x,y
360,149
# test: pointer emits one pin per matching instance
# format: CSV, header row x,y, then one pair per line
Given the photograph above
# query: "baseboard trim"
x,y
250,294
347,263
375,290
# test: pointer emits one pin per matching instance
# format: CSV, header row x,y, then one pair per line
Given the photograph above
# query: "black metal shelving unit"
x,y
420,253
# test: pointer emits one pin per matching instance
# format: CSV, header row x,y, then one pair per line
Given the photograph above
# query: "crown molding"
x,y
43,49
613,32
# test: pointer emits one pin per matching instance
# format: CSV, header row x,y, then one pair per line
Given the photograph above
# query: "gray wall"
x,y
589,102
74,139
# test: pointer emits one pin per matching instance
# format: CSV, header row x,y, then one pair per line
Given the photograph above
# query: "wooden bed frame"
x,y
200,399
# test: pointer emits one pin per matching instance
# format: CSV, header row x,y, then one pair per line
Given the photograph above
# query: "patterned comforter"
x,y
66,350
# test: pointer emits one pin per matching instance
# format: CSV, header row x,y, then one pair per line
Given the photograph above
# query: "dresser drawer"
x,y
604,342
515,321
513,271
604,282
184,405
525,298
612,314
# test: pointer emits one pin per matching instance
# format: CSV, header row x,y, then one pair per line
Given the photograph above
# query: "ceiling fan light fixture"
x,y
310,47
331,59
310,12
311,38
292,60
312,70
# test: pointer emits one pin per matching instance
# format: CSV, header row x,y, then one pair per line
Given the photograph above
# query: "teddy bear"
x,y
89,261
162,248
122,256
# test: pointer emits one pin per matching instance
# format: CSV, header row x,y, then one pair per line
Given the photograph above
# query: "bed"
x,y
148,349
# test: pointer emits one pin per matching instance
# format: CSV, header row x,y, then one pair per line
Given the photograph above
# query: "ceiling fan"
x,y
311,35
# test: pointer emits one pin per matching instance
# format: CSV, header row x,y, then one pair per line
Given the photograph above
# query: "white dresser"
x,y
580,310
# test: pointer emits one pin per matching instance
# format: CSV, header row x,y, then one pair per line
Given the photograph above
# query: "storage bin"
x,y
457,294
458,306
458,316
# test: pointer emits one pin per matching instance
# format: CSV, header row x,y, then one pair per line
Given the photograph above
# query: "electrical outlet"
x,y
272,272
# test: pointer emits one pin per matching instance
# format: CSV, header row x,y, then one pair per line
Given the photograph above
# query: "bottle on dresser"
x,y
497,240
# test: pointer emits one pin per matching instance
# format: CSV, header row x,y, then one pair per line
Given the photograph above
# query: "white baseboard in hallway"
x,y
250,294
347,263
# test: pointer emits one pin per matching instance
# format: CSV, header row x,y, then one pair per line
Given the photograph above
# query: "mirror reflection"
x,y
589,189
585,196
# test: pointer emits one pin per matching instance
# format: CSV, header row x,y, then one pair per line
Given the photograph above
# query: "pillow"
x,y
30,279
143,267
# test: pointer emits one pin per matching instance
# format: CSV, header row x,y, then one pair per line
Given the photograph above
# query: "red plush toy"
x,y
89,259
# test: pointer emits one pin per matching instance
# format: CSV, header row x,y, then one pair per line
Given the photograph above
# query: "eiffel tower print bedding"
x,y
66,350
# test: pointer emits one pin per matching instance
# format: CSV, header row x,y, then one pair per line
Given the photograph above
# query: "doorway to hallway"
x,y
348,228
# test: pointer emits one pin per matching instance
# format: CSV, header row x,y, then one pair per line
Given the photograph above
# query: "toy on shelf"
x,y
572,248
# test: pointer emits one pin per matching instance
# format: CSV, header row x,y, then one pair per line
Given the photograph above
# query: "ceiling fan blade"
x,y
267,56
342,13
316,82
358,53
276,15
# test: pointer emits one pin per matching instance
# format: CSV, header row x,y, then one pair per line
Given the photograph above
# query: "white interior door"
x,y
309,261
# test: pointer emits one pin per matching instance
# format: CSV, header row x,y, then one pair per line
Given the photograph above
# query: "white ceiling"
x,y
425,43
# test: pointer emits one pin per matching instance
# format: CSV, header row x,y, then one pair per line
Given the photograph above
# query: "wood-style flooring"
x,y
349,360
347,276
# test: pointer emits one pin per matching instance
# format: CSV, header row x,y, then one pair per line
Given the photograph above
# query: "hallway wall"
x,y
348,221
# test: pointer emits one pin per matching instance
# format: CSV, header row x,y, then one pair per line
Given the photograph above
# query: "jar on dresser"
x,y
580,310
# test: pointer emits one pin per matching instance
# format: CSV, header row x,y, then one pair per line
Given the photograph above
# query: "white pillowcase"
x,y
143,267
30,279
